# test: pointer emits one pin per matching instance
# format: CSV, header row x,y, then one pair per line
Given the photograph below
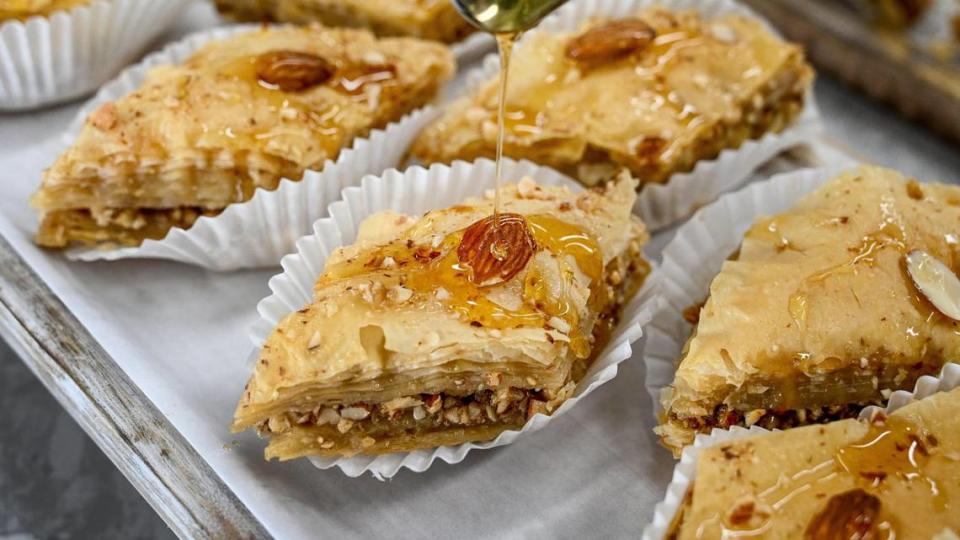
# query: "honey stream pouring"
x,y
506,20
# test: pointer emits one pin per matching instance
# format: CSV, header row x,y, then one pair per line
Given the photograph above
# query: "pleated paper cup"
x,y
694,257
414,192
685,471
661,205
258,232
47,60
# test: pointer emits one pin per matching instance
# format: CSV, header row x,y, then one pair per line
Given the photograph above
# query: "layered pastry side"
x,y
240,114
654,93
427,19
23,9
421,335
892,477
816,315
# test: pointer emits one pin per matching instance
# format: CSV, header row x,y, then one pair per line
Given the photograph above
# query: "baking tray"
x,y
916,69
149,357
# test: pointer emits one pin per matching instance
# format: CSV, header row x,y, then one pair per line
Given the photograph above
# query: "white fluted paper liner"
x,y
46,60
663,204
258,232
695,254
685,471
414,192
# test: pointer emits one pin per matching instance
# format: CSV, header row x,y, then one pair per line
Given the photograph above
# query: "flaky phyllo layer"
x,y
239,114
403,348
655,93
426,19
816,316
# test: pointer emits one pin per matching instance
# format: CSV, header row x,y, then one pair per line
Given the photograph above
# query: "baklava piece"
x,y
238,115
24,9
655,93
818,314
428,332
427,19
892,477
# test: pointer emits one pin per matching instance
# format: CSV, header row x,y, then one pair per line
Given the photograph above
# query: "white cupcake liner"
x,y
663,204
414,192
258,232
47,60
685,471
695,254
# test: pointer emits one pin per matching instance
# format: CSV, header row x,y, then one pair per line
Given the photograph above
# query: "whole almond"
x,y
851,514
610,41
293,71
496,254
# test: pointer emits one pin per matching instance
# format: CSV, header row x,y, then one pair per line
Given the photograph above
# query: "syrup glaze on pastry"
x,y
654,93
405,346
238,115
816,315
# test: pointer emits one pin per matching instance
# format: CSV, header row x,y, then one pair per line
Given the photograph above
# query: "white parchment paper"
x,y
179,333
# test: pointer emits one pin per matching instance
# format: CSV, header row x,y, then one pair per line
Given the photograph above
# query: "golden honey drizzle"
x,y
528,118
505,43
348,79
895,450
426,270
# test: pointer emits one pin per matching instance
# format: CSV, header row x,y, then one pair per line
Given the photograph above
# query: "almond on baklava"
x,y
819,313
240,114
426,19
654,93
892,477
421,335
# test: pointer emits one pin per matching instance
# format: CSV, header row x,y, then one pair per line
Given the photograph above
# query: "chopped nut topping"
x,y
400,294
723,33
434,403
105,117
527,187
354,413
344,425
419,413
315,340
328,416
747,511
367,442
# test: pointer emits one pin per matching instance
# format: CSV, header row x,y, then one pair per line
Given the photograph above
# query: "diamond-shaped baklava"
x,y
24,9
816,316
654,93
239,114
427,19
894,477
421,335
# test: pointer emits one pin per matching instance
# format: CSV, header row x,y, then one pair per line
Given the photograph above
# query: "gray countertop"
x,y
54,483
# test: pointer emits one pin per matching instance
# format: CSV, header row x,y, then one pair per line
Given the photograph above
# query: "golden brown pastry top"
x,y
23,9
822,288
427,19
266,101
398,306
899,473
573,95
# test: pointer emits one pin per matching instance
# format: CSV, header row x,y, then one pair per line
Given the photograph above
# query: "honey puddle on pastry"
x,y
239,114
816,315
655,93
894,477
412,341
